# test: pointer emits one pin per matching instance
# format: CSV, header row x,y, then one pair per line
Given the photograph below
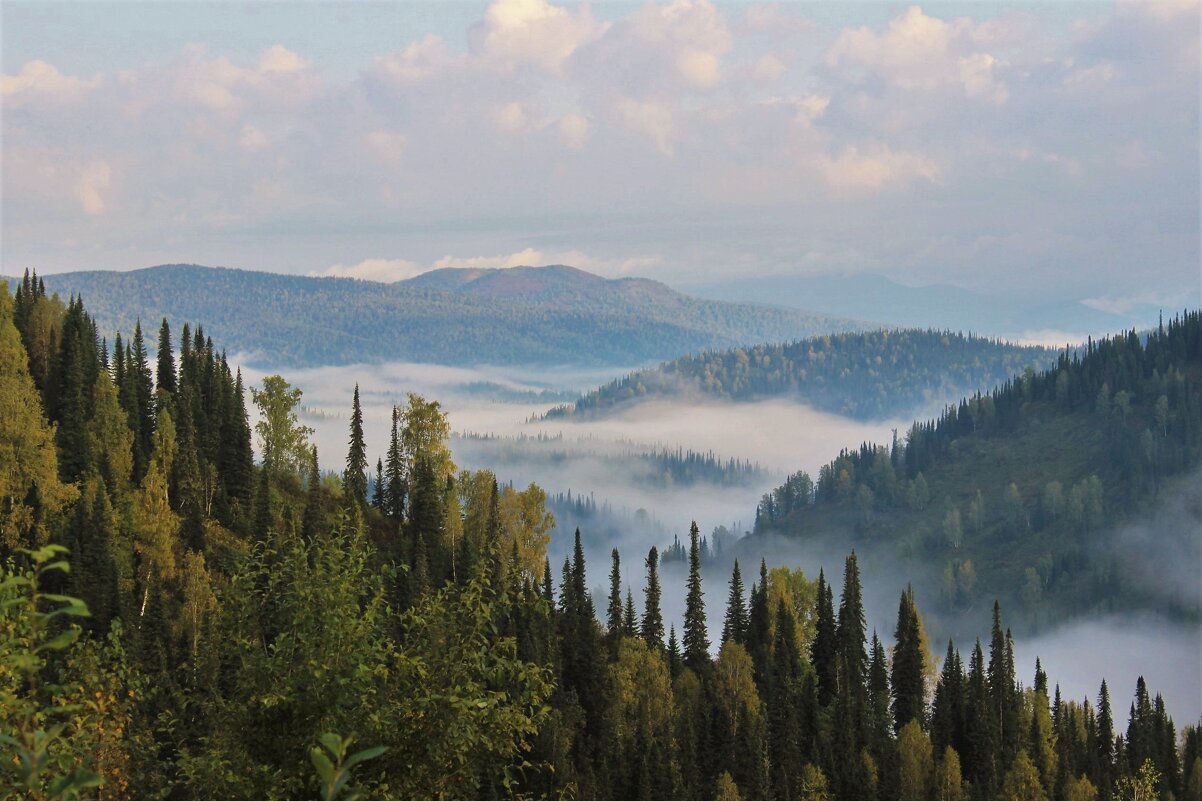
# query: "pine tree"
x,y
354,481
824,648
629,618
378,493
908,679
696,639
1104,740
652,630
137,371
613,613
394,469
165,367
851,633
675,659
736,623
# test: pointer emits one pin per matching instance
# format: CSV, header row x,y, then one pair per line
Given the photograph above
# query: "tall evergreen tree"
x,y
378,492
652,629
614,611
907,671
394,469
736,623
354,480
696,639
165,361
850,636
824,648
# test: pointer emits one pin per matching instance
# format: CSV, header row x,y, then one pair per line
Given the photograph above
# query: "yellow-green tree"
x,y
525,528
29,484
916,767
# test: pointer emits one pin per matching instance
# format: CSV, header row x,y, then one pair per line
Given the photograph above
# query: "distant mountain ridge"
x,y
556,315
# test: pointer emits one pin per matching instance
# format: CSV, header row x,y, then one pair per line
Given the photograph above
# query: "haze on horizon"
x,y
1045,150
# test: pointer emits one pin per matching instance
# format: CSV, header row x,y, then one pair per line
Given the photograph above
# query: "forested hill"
x,y
526,315
866,375
1018,494
237,630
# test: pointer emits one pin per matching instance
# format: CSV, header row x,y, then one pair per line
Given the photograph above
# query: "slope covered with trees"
x,y
523,316
179,621
865,375
1014,493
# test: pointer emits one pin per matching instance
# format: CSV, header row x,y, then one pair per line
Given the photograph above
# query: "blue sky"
x,y
1046,149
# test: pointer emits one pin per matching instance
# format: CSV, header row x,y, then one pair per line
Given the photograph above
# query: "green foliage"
x,y
869,375
333,765
34,628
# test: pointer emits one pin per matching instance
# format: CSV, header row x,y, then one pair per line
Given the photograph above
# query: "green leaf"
x,y
325,768
60,642
334,744
364,755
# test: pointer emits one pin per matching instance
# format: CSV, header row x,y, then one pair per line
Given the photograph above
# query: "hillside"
x,y
938,305
868,375
529,316
1069,490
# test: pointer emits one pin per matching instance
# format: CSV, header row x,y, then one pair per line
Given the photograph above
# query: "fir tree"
x,y
354,481
851,633
696,639
395,472
652,629
378,493
824,648
907,676
165,366
736,623
613,613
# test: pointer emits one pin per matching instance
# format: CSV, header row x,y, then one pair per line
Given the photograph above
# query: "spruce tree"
x,y
824,648
354,480
394,469
652,629
377,495
613,613
908,679
735,625
850,636
696,639
629,617
165,366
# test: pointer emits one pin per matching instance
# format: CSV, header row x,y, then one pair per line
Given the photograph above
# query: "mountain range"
x,y
554,315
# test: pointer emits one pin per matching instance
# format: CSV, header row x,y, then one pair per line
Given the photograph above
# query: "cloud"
x,y
252,140
91,189
535,32
39,82
383,270
920,53
386,147
874,167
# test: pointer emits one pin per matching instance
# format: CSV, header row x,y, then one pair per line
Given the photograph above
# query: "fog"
x,y
598,458
1120,650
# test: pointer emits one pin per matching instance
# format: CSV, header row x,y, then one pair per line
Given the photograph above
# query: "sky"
x,y
1025,149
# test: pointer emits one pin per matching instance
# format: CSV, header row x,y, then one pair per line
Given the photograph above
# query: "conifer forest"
x,y
600,400
182,619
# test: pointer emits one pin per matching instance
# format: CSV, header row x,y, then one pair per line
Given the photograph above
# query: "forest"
x,y
181,621
555,316
867,375
1015,491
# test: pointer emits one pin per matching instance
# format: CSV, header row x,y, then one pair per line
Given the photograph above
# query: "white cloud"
x,y
252,140
280,59
536,32
383,270
532,257
387,147
92,188
921,53
652,119
574,130
41,82
873,167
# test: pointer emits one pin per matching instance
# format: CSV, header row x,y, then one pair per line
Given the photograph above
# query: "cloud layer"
x,y
1014,149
